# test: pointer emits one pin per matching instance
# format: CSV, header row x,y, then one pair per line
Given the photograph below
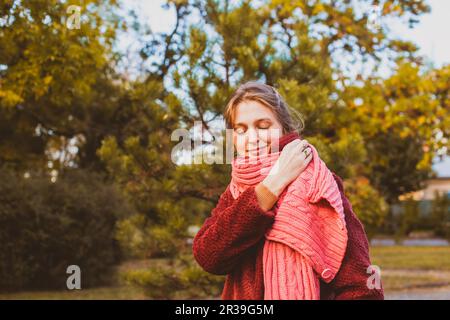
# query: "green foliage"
x,y
139,238
48,226
422,215
133,236
52,79
367,204
409,219
440,215
403,120
177,279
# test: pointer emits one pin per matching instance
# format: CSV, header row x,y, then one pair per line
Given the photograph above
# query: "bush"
x,y
440,215
45,227
409,219
141,238
367,204
179,278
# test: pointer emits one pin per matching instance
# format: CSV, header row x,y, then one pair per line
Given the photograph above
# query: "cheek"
x,y
274,135
269,136
239,142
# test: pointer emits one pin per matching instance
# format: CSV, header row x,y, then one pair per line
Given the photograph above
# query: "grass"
x,y
117,291
412,280
401,268
411,258
412,267
103,293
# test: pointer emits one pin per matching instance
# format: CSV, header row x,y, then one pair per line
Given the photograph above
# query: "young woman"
x,y
245,238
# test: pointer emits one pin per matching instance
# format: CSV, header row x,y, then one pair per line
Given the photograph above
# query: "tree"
x,y
56,82
404,121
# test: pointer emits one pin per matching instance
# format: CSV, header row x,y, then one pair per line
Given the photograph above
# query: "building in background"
x,y
440,184
437,185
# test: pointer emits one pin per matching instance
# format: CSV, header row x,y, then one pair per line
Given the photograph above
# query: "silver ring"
x,y
305,152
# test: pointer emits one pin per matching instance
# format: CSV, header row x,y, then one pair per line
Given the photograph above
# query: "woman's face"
x,y
255,127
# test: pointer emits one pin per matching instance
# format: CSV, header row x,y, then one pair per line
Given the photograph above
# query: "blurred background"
x,y
91,92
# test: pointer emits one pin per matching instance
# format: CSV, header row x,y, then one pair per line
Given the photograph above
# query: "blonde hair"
x,y
268,96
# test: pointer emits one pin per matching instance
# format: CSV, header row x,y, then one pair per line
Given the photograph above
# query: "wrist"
x,y
266,198
274,184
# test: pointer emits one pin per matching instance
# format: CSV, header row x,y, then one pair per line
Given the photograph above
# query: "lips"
x,y
252,150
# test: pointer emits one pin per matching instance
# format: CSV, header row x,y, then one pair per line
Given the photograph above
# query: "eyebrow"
x,y
259,120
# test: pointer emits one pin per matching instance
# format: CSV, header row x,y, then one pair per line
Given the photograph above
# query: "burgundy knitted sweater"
x,y
231,240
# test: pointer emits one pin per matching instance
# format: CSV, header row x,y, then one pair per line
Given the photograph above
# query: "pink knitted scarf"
x,y
308,238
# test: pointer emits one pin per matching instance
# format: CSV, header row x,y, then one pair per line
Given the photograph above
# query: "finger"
x,y
293,144
308,150
308,154
302,154
306,142
297,145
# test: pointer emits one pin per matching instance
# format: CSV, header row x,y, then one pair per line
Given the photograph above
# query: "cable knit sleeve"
x,y
234,226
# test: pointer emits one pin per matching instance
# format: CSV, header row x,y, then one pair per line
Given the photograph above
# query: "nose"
x,y
253,137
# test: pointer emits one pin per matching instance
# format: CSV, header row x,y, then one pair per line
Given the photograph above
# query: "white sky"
x,y
432,33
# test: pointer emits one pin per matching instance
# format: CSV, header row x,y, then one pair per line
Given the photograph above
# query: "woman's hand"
x,y
290,164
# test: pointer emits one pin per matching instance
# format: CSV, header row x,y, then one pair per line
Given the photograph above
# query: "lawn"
x,y
412,267
411,258
401,268
102,293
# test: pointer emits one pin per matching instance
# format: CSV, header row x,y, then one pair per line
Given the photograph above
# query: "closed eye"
x,y
264,125
239,130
